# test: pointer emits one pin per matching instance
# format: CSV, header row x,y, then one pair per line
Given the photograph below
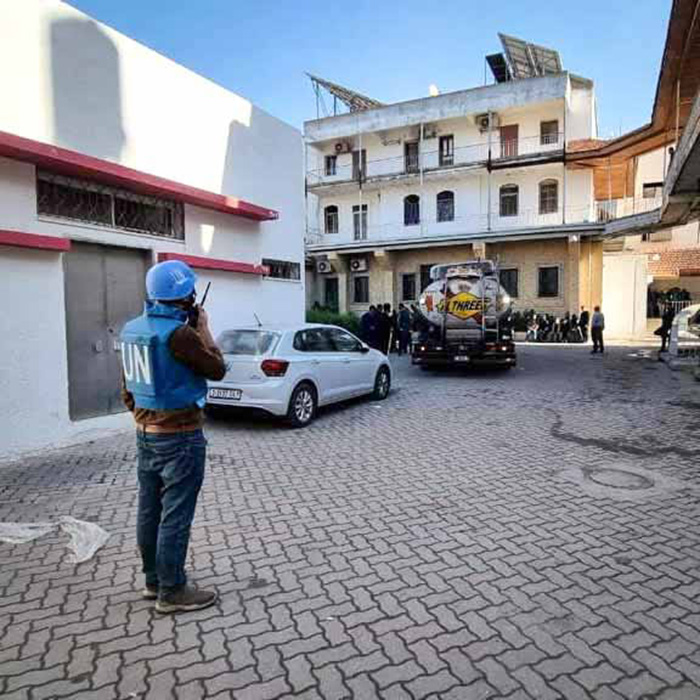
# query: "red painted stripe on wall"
x,y
21,239
215,264
79,165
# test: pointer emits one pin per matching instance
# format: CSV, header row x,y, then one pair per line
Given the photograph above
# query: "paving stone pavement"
x,y
434,545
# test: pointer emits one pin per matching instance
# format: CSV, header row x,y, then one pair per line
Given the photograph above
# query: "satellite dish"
x,y
433,90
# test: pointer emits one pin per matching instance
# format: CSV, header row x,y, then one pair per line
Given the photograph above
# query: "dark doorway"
x,y
104,289
330,293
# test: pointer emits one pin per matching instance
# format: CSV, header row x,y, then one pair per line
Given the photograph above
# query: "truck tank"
x,y
473,296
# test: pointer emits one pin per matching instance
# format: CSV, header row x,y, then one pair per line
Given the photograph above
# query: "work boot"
x,y
184,599
149,592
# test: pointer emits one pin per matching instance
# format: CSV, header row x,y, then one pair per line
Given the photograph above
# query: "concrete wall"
x,y
624,295
73,82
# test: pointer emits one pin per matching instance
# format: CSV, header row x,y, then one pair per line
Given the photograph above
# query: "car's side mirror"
x,y
364,349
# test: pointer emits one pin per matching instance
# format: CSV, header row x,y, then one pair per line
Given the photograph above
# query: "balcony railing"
x,y
426,229
430,160
610,209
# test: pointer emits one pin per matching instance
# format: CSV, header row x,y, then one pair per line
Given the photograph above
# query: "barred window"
x,y
509,200
549,196
282,269
411,210
82,200
446,206
331,219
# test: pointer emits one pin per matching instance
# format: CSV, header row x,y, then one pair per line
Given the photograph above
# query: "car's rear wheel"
x,y
382,384
302,406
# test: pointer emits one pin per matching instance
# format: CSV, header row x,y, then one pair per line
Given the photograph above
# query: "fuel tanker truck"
x,y
463,317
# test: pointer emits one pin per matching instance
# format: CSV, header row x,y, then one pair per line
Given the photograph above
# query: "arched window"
x,y
411,210
446,206
330,215
549,196
509,200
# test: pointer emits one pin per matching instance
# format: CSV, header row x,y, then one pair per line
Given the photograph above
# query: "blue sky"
x,y
393,50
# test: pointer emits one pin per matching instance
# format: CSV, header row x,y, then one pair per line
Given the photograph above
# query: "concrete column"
x,y
590,274
571,273
479,250
382,279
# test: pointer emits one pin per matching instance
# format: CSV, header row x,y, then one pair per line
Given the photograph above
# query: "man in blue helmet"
x,y
168,353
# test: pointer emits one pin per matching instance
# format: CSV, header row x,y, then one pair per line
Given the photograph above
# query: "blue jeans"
x,y
170,472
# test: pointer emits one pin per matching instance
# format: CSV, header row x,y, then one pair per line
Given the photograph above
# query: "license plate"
x,y
462,358
231,394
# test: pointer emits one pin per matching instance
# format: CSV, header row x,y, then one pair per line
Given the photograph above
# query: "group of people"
x,y
388,330
571,328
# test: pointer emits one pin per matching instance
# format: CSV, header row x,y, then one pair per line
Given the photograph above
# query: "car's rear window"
x,y
247,342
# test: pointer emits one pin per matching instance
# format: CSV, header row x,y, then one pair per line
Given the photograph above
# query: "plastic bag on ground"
x,y
85,538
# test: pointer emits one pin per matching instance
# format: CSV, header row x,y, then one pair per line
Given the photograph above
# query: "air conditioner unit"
x,y
484,123
323,267
343,147
430,131
358,264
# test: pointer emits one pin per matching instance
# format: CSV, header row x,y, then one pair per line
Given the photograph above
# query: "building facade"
x,y
395,189
113,157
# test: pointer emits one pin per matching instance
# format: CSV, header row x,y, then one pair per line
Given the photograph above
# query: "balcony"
x,y
432,163
612,209
460,228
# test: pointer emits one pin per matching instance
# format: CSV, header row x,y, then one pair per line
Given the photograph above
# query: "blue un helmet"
x,y
170,280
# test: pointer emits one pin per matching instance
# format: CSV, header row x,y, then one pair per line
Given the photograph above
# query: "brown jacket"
x,y
187,347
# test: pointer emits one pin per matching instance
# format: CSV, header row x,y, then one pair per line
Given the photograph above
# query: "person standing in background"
x,y
583,323
403,324
597,328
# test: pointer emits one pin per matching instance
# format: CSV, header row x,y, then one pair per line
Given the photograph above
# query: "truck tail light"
x,y
274,368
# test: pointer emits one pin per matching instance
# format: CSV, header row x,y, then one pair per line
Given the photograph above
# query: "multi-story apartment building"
x,y
393,189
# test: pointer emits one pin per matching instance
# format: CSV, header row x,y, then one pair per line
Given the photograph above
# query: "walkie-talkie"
x,y
194,311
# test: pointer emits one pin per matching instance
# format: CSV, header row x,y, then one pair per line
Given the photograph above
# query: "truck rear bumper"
x,y
437,358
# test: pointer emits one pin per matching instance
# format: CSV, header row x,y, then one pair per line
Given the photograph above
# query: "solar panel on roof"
x,y
499,67
526,60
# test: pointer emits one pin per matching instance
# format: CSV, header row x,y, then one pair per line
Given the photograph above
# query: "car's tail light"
x,y
274,368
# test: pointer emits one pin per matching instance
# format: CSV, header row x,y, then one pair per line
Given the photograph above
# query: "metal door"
x,y
509,141
104,289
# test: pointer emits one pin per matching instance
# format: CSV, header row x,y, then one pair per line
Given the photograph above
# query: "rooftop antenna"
x,y
257,319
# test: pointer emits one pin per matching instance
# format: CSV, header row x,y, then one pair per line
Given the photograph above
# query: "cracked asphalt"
x,y
522,534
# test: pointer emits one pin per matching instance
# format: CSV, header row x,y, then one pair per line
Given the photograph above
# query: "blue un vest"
x,y
156,380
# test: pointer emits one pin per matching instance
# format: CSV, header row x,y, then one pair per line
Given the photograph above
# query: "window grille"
x,y
446,206
282,269
331,219
81,200
509,200
549,196
411,210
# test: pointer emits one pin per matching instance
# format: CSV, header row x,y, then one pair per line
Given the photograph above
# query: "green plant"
x,y
348,321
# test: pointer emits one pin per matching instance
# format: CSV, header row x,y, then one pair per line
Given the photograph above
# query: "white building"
x,y
479,172
113,157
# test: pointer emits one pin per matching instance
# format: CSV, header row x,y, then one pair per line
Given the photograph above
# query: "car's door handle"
x,y
315,362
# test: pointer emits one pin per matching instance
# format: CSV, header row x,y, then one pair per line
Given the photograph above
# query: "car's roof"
x,y
280,328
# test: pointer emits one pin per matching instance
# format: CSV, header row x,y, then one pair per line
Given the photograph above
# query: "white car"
x,y
292,371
